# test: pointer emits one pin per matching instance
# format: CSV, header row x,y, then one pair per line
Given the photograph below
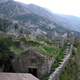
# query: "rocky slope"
x,y
29,21
37,20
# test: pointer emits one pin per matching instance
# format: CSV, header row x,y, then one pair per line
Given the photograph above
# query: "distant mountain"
x,y
11,9
69,22
3,1
36,20
40,11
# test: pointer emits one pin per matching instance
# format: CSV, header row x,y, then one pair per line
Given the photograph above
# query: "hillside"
x,y
12,9
27,21
24,26
68,22
29,14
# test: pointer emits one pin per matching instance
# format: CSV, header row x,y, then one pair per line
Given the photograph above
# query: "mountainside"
x,y
27,20
36,20
25,26
69,22
12,9
10,26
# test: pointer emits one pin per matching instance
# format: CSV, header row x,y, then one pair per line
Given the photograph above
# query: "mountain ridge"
x,y
33,17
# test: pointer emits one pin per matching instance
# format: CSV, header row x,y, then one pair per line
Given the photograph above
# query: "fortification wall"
x,y
56,74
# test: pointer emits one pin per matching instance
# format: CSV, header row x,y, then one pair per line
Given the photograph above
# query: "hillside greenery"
x,y
43,47
8,45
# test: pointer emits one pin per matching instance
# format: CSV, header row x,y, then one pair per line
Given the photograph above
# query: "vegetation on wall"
x,y
71,72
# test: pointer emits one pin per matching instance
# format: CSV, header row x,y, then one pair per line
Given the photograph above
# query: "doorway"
x,y
33,71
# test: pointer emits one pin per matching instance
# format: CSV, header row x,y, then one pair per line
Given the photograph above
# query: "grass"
x,y
16,50
58,59
42,46
49,51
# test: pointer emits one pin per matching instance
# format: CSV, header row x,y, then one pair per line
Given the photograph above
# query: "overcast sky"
x,y
67,7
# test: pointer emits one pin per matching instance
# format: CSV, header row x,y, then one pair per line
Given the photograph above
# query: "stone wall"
x,y
32,59
56,74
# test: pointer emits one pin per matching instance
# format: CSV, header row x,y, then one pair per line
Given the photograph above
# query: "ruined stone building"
x,y
71,37
60,39
31,61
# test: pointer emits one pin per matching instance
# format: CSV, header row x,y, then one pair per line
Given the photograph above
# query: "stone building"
x,y
31,61
60,41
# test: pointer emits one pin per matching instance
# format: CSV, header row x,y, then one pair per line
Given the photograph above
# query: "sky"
x,y
66,7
